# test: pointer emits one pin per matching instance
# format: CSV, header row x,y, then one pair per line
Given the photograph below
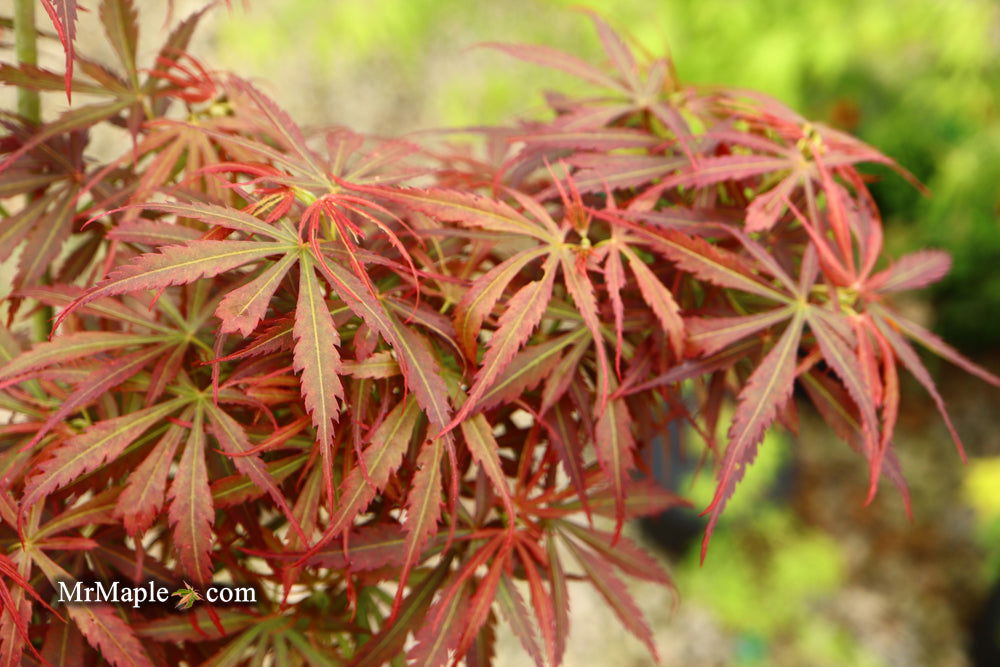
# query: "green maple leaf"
x,y
188,596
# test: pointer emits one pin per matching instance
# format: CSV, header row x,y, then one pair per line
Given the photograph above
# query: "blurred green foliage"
x,y
980,489
766,570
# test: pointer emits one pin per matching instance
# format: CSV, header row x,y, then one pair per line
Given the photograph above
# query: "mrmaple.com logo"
x,y
151,592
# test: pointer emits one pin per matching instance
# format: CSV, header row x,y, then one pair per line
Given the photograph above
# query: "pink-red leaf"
x,y
483,446
243,308
221,216
87,451
708,335
659,299
176,265
523,313
191,510
613,590
234,441
63,15
142,498
382,457
120,25
110,635
483,295
69,348
474,211
712,264
913,271
549,57
515,612
767,390
316,357
423,508
615,451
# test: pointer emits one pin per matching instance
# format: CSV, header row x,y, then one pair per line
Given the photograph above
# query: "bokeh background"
x,y
799,573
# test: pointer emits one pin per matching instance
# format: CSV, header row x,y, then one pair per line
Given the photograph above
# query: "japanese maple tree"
x,y
392,385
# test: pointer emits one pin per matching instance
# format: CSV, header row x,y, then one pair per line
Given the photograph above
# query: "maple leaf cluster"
x,y
320,363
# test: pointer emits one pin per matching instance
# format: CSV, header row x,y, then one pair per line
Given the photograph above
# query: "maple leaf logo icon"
x,y
188,596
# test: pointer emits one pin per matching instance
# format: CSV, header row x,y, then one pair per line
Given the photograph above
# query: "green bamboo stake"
x,y
29,104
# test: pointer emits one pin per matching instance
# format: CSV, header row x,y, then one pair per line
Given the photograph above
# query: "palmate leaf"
x,y
581,289
421,370
552,58
614,281
95,384
935,345
16,611
479,439
849,366
282,127
623,553
767,390
542,603
63,645
371,547
912,271
482,602
191,512
47,238
77,118
618,52
560,599
475,211
222,216
96,511
14,627
127,310
239,488
599,172
179,627
835,407
530,366
153,233
903,351
564,439
707,335
386,645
